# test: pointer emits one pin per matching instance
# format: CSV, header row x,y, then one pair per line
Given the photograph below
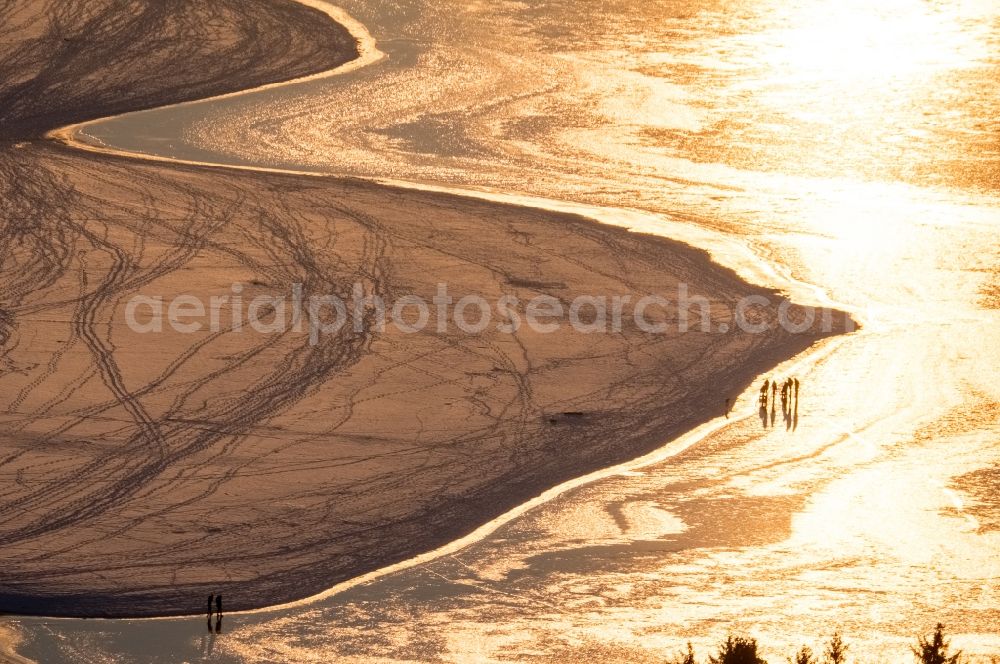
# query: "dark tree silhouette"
x,y
935,649
836,651
737,650
804,656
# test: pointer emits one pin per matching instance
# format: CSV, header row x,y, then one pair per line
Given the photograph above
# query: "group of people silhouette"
x,y
769,392
215,600
789,391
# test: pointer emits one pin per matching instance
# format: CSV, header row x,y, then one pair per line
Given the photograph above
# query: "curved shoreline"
x,y
368,53
66,136
670,448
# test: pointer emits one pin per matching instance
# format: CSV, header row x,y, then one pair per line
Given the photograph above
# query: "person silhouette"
x,y
210,598
218,605
795,407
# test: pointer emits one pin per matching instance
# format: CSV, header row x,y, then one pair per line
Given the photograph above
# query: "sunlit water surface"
x,y
847,151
